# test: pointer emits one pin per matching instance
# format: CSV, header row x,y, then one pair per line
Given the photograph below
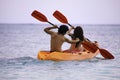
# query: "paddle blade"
x,y
89,46
106,54
39,16
58,15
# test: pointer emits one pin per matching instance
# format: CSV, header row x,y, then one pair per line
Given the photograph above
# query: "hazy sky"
x,y
77,11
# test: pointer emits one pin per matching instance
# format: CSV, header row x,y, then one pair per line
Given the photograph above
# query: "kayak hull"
x,y
65,56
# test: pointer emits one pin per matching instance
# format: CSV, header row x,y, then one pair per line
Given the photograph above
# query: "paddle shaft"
x,y
51,23
70,25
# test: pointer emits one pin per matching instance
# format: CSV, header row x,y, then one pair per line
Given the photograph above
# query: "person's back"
x,y
57,41
57,38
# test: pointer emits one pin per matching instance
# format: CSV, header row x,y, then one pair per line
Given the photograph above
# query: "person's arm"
x,y
72,41
47,30
69,31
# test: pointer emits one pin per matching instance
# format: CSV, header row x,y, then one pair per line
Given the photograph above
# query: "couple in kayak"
x,y
58,38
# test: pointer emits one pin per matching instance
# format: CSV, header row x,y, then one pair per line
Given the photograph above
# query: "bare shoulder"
x,y
49,31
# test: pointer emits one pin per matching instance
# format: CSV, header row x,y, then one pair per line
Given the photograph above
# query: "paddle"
x,y
104,52
58,15
39,16
91,47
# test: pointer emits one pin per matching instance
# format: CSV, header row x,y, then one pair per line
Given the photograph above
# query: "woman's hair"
x,y
78,33
63,29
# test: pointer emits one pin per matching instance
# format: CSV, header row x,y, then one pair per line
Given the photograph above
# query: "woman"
x,y
77,33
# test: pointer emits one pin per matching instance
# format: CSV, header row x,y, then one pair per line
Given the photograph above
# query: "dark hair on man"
x,y
63,29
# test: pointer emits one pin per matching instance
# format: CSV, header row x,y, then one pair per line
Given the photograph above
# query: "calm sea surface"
x,y
20,43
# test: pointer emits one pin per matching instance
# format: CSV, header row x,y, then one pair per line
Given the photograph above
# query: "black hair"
x,y
78,33
63,29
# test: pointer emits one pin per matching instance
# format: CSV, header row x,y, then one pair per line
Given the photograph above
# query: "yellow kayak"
x,y
63,56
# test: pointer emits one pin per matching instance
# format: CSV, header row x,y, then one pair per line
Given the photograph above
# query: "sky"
x,y
76,11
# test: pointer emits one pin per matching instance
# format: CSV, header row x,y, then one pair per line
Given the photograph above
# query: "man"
x,y
58,38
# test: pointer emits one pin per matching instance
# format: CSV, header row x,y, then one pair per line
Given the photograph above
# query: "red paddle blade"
x,y
89,46
106,54
39,16
58,15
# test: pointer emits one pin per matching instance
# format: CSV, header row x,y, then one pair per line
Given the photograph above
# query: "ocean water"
x,y
20,43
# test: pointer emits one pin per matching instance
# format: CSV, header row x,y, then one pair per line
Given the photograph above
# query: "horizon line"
x,y
58,24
